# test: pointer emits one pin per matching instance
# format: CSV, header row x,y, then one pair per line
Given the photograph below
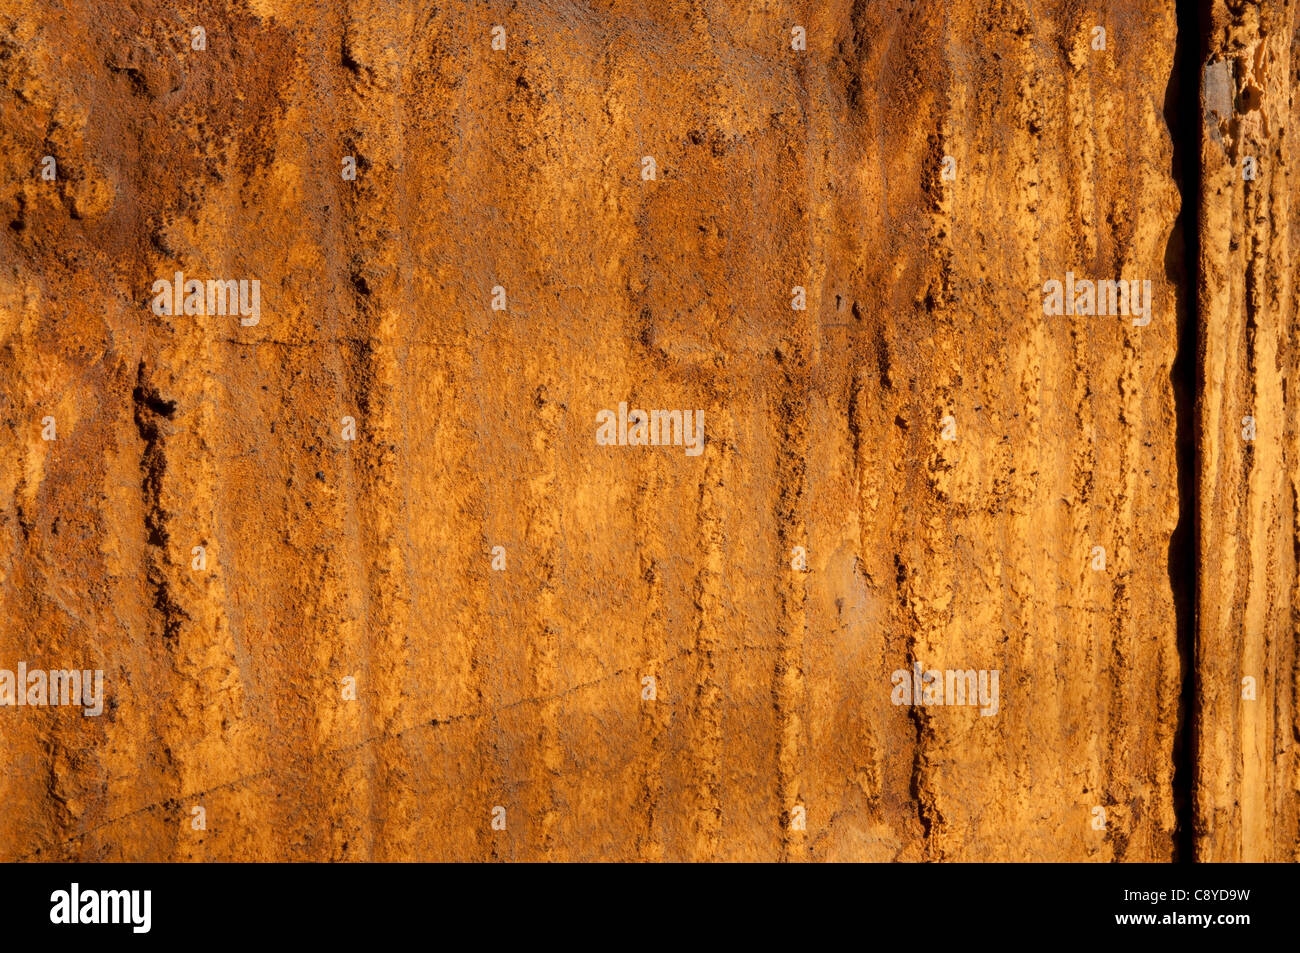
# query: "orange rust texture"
x,y
329,559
